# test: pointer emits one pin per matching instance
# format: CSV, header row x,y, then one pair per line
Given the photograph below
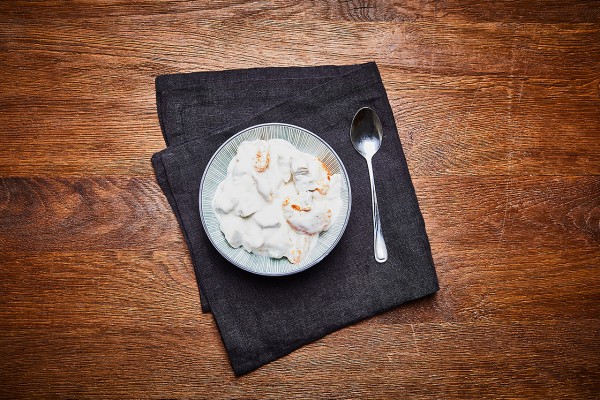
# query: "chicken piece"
x,y
306,216
324,180
232,229
268,217
299,248
310,174
263,156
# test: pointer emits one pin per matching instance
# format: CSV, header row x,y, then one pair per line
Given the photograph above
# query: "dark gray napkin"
x,y
264,318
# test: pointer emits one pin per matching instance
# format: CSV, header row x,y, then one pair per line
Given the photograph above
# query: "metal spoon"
x,y
366,135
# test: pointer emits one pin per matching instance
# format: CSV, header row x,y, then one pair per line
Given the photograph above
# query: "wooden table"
x,y
498,108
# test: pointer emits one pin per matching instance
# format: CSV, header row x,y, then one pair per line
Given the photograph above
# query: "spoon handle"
x,y
380,248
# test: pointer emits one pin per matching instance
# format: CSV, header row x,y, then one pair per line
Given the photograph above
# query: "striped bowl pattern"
x,y
216,171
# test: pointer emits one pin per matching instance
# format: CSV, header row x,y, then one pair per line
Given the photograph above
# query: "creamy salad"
x,y
276,200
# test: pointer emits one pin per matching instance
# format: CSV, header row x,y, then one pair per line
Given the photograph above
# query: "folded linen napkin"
x,y
264,318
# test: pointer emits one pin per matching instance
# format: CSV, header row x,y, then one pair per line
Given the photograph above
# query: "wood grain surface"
x,y
498,110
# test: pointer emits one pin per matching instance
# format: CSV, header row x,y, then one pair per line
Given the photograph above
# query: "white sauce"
x,y
276,200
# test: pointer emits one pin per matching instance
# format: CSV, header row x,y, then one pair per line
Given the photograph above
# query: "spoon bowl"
x,y
366,133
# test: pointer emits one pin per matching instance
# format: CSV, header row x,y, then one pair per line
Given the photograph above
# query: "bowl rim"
x,y
326,252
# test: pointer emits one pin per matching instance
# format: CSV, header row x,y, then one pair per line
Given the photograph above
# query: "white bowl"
x,y
216,171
